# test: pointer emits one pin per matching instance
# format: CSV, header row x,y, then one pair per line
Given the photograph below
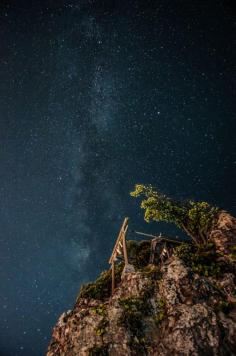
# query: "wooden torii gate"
x,y
117,250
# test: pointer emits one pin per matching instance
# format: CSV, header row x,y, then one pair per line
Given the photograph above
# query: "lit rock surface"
x,y
224,234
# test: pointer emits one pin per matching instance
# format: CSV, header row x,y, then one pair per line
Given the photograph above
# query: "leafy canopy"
x,y
195,218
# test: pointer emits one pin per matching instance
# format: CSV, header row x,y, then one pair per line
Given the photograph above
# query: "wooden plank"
x,y
120,236
124,246
120,242
160,237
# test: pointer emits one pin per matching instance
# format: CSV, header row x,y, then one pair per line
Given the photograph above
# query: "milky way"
x,y
95,97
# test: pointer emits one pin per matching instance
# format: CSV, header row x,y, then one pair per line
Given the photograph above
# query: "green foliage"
x,y
157,206
161,303
200,219
131,317
100,310
139,253
99,351
134,310
101,288
161,311
183,251
202,260
151,271
194,218
101,328
139,305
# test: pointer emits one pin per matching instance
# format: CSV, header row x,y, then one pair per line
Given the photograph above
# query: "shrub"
x,y
203,261
101,288
139,253
134,309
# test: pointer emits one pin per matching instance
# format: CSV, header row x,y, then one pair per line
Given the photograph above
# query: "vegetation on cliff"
x,y
203,260
139,254
101,288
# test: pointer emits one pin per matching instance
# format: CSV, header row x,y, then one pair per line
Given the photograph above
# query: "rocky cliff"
x,y
184,305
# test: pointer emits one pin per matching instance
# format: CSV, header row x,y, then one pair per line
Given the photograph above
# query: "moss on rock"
x,y
204,261
152,271
160,311
101,288
132,318
100,310
101,327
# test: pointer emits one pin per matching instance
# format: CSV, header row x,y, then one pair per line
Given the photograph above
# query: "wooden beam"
x,y
119,238
124,247
160,237
120,242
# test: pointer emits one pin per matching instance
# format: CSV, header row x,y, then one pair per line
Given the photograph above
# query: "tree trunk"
x,y
190,235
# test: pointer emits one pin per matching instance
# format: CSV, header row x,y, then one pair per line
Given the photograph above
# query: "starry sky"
x,y
96,96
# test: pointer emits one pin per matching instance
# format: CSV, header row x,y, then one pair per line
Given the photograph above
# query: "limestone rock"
x,y
163,310
223,235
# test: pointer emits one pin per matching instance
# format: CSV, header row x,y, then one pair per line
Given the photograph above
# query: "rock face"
x,y
223,234
176,308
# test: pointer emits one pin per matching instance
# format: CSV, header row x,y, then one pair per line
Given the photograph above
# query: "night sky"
x,y
96,96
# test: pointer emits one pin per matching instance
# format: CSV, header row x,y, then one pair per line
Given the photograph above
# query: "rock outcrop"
x,y
223,235
185,306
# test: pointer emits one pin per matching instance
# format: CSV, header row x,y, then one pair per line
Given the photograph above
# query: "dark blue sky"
x,y
95,97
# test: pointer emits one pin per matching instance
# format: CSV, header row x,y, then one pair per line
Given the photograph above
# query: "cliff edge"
x,y
183,305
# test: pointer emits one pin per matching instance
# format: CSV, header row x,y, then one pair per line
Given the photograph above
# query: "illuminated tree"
x,y
194,218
